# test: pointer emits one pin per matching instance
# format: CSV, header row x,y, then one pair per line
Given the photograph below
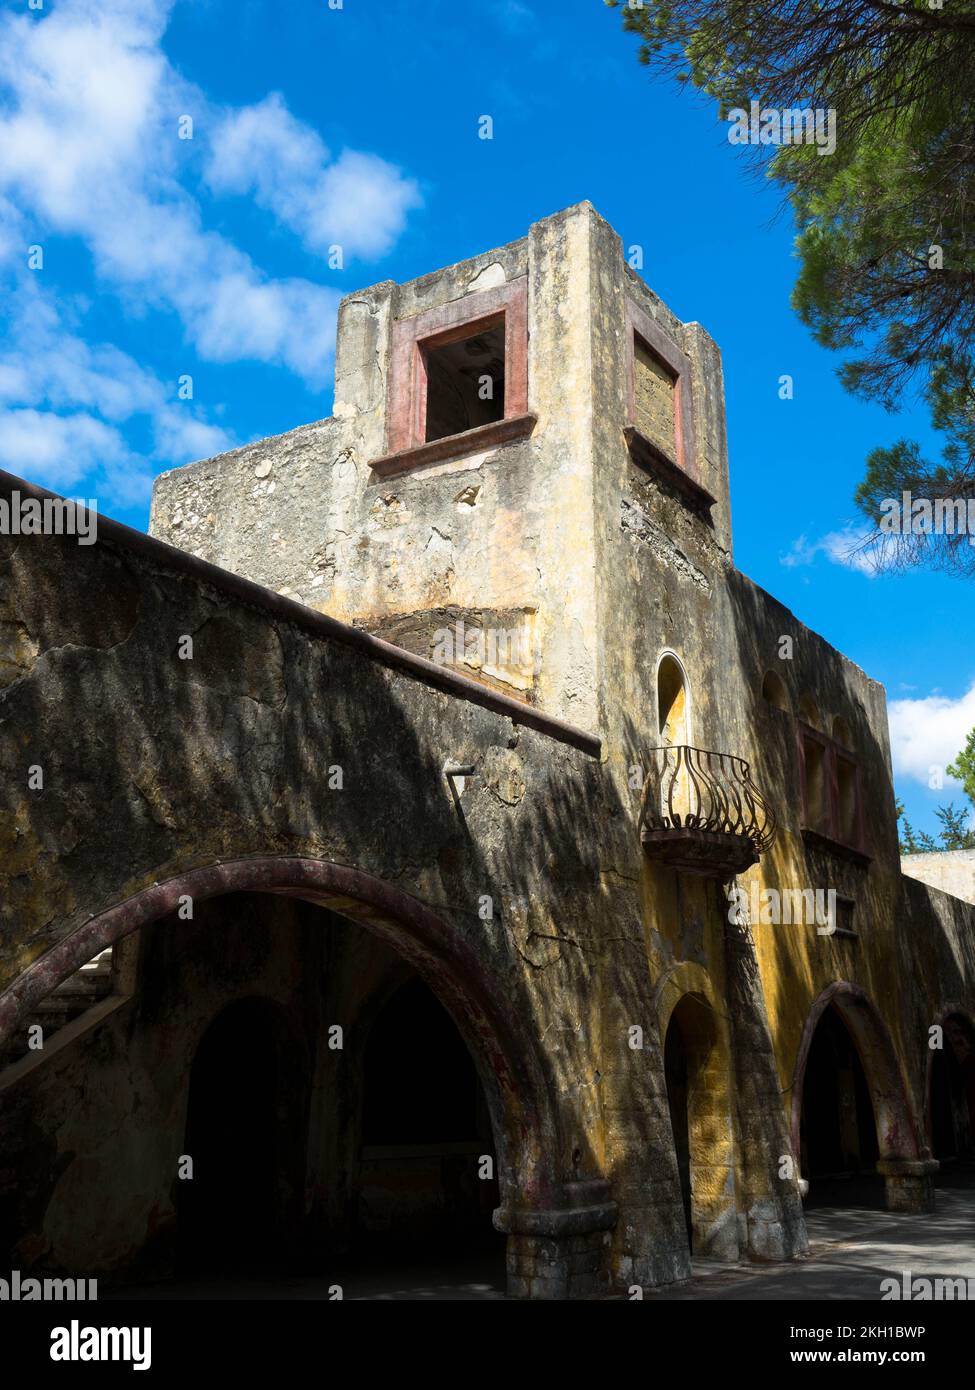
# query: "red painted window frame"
x,y
414,337
640,325
832,751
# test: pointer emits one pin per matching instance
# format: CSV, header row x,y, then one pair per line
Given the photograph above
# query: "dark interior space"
x,y
953,1094
426,1134
237,1211
465,383
675,1071
838,1135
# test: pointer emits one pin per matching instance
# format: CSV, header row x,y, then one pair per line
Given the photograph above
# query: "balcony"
x,y
701,813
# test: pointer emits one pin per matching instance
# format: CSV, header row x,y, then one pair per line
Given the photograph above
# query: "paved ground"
x,y
852,1248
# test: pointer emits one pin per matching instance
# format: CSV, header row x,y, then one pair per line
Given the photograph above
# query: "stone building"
x,y
438,841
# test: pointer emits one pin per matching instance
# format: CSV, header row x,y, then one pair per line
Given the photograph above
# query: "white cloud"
x,y
844,547
60,449
63,401
929,733
89,106
89,149
358,202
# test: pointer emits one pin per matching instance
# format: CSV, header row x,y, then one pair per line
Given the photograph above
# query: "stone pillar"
x,y
774,1227
564,1252
909,1183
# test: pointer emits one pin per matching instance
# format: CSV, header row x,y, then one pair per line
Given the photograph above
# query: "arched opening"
x,y
808,711
696,1076
239,1205
774,691
838,1142
673,722
951,1094
257,898
427,1166
673,714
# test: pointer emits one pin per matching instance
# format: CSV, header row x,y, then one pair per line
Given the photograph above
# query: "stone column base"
x,y
563,1252
909,1183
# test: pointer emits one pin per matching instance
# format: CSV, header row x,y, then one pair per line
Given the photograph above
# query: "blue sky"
x,y
208,257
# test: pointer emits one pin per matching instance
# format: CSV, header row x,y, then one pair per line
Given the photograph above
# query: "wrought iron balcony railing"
x,y
701,811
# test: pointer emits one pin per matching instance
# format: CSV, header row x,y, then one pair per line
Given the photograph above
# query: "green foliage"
x,y
886,224
963,768
955,832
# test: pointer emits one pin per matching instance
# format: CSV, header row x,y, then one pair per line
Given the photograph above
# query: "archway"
x,y
246,1120
852,1087
837,1133
427,1167
673,702
951,1092
674,726
696,1073
500,1037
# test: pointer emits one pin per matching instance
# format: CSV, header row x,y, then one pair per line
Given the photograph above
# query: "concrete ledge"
x,y
567,1221
455,446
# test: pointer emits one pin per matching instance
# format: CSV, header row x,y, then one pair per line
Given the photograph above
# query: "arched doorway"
x,y
951,1092
427,1168
907,1171
673,703
696,1074
505,1049
838,1135
239,1207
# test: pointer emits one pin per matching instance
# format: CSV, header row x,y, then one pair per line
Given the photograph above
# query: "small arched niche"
x,y
673,703
808,711
841,732
774,691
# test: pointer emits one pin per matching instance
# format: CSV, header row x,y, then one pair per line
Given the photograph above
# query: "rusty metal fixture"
x,y
701,811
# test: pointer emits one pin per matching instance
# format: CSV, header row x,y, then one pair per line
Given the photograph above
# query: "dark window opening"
x,y
846,922
831,786
953,1093
838,1135
774,691
817,801
846,788
244,1128
420,1083
427,1168
465,383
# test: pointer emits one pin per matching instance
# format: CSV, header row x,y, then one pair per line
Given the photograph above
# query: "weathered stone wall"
x,y
306,515
953,871
156,767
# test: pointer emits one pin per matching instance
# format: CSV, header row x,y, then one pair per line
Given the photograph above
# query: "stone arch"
x,y
905,1167
504,1051
673,699
775,692
694,1029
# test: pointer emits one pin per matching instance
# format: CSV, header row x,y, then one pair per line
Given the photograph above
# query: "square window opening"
x,y
846,786
846,923
465,382
654,398
817,803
